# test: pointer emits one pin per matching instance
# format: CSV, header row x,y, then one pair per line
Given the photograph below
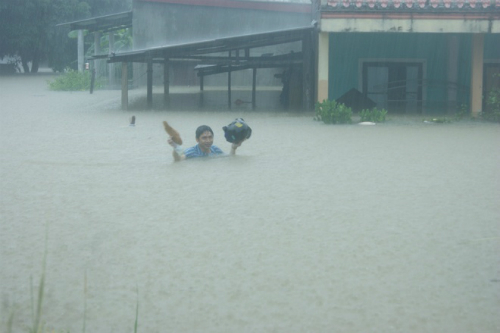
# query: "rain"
x,y
309,227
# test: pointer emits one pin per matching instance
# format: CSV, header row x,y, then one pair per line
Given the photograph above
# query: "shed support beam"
x,y
80,51
150,84
323,59
254,87
97,50
111,66
166,83
202,83
229,83
124,86
476,84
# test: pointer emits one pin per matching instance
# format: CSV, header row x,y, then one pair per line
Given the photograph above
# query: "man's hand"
x,y
178,152
235,146
172,143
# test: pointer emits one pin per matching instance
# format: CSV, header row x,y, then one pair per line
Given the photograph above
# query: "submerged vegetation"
x,y
331,112
492,110
374,115
73,80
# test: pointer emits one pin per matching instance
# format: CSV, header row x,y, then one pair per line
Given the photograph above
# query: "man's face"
x,y
205,141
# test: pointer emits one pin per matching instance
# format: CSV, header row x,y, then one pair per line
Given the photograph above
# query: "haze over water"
x,y
310,228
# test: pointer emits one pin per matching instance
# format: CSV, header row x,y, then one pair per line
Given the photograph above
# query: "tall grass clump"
x,y
136,311
73,80
37,312
374,115
331,112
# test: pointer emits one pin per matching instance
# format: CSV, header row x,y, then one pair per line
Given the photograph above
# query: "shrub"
x,y
73,80
462,112
331,112
492,112
374,115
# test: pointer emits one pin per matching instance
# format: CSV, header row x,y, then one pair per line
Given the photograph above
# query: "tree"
x,y
29,29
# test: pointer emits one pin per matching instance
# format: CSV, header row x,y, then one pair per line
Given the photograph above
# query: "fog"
x,y
309,228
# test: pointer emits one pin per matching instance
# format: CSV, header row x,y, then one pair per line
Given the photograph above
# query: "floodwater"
x,y
310,228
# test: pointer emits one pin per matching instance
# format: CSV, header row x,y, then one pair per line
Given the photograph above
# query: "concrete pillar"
x,y
323,62
80,51
111,66
476,82
452,73
124,86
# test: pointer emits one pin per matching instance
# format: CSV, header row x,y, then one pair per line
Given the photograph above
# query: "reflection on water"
x,y
386,228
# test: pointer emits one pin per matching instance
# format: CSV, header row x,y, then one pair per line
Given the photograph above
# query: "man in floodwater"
x,y
204,148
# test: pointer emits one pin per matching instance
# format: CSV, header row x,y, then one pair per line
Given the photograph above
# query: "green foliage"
x,y
29,29
331,112
462,112
73,80
123,42
492,111
374,115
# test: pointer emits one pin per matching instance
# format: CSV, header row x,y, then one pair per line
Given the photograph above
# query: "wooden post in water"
x,y
254,87
97,50
124,86
111,66
229,83
92,80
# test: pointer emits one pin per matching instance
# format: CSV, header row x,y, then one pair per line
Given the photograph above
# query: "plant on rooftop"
x,y
331,112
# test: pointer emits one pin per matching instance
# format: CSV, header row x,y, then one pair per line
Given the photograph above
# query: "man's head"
x,y
205,137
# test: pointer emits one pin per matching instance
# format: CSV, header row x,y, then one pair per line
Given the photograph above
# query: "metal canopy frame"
x,y
196,49
224,55
102,23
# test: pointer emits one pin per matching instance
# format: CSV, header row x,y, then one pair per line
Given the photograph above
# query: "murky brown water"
x,y
311,228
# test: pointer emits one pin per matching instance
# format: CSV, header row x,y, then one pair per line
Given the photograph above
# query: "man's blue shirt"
x,y
196,151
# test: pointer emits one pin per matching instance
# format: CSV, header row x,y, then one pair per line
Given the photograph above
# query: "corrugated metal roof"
x,y
191,50
102,23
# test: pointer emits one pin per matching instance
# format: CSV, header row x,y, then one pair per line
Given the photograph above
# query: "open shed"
x,y
227,55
